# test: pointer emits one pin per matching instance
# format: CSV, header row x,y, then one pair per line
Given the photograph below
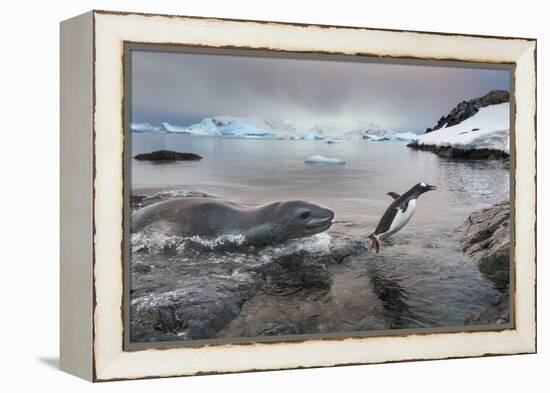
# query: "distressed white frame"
x,y
111,30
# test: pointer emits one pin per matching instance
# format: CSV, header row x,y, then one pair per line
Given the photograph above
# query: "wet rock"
x,y
497,313
290,274
469,108
180,300
393,296
189,312
141,268
280,329
348,249
485,237
167,155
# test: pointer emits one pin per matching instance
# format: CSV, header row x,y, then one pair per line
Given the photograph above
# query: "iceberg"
x,y
143,127
318,159
193,130
250,127
375,138
220,126
405,136
378,135
314,136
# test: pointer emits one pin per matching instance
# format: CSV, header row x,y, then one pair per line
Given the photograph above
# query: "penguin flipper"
x,y
394,195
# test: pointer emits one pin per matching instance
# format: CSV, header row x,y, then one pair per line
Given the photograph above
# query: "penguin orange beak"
x,y
432,188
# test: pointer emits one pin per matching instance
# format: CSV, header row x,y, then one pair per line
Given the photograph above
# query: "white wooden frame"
x,y
92,194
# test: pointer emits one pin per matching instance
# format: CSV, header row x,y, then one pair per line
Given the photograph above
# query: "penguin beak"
x,y
432,188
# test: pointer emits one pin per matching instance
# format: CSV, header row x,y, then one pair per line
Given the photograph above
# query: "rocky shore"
x,y
485,237
461,154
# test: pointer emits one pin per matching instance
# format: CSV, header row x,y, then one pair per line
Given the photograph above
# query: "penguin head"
x,y
421,188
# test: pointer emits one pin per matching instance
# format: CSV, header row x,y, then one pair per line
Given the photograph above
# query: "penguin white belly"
x,y
401,219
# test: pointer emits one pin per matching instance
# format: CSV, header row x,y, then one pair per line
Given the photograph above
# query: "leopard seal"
x,y
211,218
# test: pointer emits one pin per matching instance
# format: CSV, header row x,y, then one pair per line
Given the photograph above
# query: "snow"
x,y
403,136
487,129
317,159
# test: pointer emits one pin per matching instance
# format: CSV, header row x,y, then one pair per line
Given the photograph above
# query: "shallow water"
x,y
419,279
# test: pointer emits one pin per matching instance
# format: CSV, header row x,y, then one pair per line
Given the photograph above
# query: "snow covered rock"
x,y
484,135
467,109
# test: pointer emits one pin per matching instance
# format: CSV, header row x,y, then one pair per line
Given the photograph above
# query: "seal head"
x,y
291,220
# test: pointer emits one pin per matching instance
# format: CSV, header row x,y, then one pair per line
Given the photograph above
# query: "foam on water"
x,y
158,242
154,241
221,241
316,244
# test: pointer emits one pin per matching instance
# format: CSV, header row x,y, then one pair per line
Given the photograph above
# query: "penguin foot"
x,y
375,243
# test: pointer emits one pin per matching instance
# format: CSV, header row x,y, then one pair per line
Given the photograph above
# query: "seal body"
x,y
212,218
398,214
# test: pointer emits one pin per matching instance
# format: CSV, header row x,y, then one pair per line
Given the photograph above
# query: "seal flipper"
x,y
394,195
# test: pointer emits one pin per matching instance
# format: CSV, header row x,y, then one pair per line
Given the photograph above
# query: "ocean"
x,y
419,279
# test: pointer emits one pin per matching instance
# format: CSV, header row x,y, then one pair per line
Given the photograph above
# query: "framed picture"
x,y
246,195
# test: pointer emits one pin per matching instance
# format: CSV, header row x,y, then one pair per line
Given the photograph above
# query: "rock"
x,y
167,155
461,154
485,237
278,329
469,108
175,299
190,309
497,313
290,274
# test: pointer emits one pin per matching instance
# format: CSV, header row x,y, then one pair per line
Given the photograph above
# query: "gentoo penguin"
x,y
398,214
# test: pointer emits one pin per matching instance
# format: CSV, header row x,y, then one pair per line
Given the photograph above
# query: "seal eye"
x,y
305,215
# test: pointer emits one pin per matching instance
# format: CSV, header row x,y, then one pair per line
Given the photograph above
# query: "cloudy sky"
x,y
185,88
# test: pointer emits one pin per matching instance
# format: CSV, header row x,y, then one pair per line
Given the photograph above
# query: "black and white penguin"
x,y
398,214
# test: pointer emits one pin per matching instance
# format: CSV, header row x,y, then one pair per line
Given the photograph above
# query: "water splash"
x,y
154,241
